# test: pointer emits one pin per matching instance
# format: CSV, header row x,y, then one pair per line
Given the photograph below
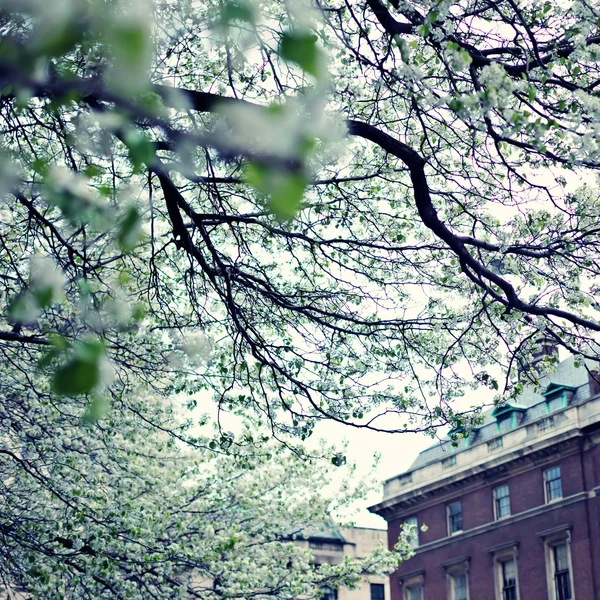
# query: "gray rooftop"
x,y
535,408
327,532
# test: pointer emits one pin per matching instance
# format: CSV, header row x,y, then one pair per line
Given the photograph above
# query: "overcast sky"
x,y
397,452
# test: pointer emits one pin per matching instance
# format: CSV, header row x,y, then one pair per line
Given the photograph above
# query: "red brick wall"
x,y
526,493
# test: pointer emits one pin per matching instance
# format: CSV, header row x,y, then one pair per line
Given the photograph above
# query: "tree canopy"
x,y
309,210
352,209
117,511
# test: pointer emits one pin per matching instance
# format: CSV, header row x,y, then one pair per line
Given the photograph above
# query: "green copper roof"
x,y
508,408
553,388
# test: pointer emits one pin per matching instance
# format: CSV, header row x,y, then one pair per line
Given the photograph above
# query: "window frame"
x,y
506,423
497,501
410,582
456,568
545,424
500,556
449,517
449,462
495,444
327,589
547,485
556,403
553,539
561,572
453,586
415,540
408,590
375,583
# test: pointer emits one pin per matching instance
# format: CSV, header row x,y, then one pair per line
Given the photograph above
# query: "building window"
x,y
414,592
459,587
505,424
508,570
404,479
505,572
562,573
329,593
558,396
455,523
494,445
457,579
545,424
502,501
412,586
555,403
449,462
325,546
377,591
553,484
412,525
559,567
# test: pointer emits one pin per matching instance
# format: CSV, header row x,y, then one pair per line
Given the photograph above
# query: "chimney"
x,y
594,382
543,346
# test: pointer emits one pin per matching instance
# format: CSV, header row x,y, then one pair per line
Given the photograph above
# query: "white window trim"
x,y
501,555
448,518
562,494
412,580
416,531
457,567
496,517
407,590
552,538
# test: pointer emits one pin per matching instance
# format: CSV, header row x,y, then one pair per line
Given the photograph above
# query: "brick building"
x,y
513,512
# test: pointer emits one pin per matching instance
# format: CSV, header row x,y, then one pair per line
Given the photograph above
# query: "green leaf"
x,y
301,48
92,171
141,150
433,16
129,43
403,47
75,378
255,175
58,40
424,29
129,229
44,296
286,198
284,189
23,307
96,409
82,373
456,104
236,11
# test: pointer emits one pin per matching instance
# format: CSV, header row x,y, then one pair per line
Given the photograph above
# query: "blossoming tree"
x,y
117,511
311,210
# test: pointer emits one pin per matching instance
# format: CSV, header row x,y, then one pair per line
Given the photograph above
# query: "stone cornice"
x,y
511,463
503,546
555,530
411,575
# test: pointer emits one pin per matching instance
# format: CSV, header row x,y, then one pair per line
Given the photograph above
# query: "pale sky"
x,y
397,452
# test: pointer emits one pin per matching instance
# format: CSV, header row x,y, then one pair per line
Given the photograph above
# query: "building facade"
x,y
332,544
513,512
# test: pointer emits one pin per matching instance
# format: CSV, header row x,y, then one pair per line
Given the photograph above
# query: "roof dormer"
x,y
557,396
508,416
